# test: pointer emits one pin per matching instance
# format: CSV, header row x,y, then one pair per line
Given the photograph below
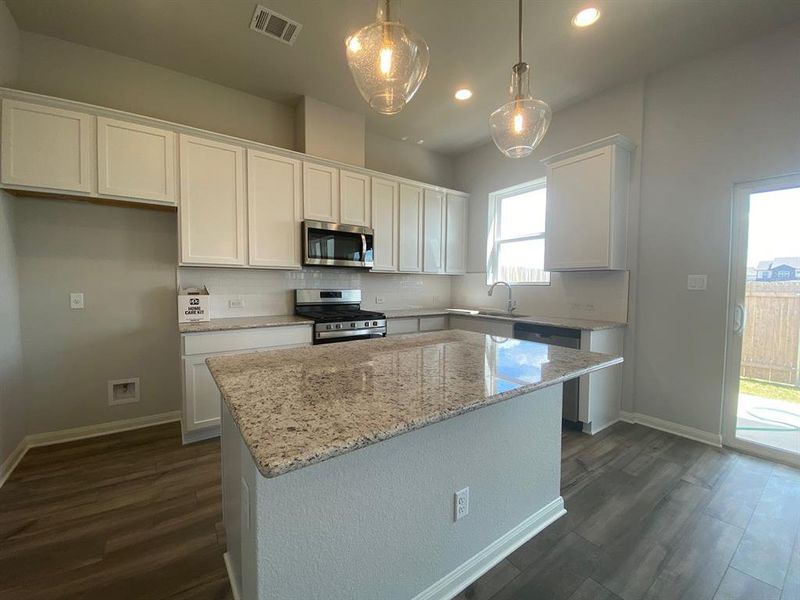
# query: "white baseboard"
x,y
469,571
10,463
698,435
79,433
237,595
190,437
594,430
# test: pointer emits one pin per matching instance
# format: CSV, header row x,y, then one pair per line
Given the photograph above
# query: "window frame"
x,y
494,241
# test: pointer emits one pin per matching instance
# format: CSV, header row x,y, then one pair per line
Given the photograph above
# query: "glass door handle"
x,y
739,319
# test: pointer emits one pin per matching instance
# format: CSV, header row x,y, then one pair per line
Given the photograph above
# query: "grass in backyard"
x,y
765,389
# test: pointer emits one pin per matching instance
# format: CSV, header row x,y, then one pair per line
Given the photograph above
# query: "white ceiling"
x,y
472,44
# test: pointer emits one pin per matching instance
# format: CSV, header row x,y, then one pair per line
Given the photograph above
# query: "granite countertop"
x,y
300,406
566,322
243,323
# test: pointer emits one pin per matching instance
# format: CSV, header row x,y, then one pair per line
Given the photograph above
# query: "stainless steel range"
x,y
338,316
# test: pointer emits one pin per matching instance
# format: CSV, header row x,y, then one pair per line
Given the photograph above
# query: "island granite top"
x,y
300,406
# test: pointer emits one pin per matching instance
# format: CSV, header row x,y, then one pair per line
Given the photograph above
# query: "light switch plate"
x,y
697,282
76,300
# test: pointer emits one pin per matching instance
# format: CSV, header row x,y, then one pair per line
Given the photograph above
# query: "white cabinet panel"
x,y
48,148
245,339
455,259
320,192
433,323
587,198
485,326
410,256
385,223
403,325
212,202
135,161
355,199
433,232
202,399
274,206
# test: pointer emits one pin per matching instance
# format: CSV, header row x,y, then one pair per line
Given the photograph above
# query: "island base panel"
x,y
379,522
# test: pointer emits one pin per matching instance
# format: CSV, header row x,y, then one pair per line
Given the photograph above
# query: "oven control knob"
x,y
366,323
374,323
352,324
327,326
338,326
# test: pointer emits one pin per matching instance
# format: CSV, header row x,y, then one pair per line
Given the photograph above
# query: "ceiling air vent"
x,y
275,25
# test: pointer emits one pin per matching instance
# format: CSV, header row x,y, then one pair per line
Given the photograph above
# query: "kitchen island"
x,y
323,496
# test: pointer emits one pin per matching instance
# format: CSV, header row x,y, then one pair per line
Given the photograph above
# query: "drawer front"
x,y
396,326
432,323
245,339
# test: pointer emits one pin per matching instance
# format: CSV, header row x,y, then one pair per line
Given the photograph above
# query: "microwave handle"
x,y
363,246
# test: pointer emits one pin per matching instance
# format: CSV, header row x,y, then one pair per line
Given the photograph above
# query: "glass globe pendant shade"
x,y
518,126
388,61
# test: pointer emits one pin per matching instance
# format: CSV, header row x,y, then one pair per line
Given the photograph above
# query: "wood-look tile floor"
x,y
136,515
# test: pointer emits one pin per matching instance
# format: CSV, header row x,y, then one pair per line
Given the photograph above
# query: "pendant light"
x,y
388,61
518,126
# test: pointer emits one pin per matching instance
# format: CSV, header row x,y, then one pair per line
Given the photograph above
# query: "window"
x,y
515,248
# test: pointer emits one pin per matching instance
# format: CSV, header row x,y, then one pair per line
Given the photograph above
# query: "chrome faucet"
x,y
511,303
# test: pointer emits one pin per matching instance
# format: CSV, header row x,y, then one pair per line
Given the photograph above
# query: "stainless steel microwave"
x,y
335,245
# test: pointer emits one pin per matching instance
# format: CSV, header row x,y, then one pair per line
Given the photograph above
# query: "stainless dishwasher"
x,y
557,336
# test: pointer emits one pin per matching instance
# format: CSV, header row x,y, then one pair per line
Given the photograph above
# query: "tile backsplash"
x,y
254,292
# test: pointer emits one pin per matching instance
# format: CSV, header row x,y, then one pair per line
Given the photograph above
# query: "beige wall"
x,y
406,159
12,406
729,117
123,260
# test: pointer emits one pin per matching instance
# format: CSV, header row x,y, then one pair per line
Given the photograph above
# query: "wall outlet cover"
x,y
235,303
123,391
461,507
76,300
379,300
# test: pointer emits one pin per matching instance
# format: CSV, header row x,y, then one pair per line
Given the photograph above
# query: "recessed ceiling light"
x,y
420,141
586,17
404,138
463,94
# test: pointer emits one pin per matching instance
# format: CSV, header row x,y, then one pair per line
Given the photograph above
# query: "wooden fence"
x,y
771,342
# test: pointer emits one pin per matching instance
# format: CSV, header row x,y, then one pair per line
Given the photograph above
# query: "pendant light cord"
x,y
519,29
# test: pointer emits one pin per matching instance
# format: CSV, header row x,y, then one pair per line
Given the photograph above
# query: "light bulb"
x,y
519,123
386,60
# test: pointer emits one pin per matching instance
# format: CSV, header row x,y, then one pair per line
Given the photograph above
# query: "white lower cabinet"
x,y
486,326
201,398
400,325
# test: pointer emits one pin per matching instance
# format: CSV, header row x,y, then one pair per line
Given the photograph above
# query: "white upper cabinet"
x,y
433,232
135,161
320,192
274,209
385,223
356,207
410,228
455,251
587,203
47,148
212,202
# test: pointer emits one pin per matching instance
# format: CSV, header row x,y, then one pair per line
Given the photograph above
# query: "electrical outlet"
x,y
235,303
697,282
379,300
76,300
461,507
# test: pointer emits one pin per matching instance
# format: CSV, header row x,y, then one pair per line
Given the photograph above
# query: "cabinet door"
x,y
201,401
274,210
320,193
410,228
456,235
355,202
48,148
385,223
433,232
212,202
578,212
135,161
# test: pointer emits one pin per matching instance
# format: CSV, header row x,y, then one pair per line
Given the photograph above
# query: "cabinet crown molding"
x,y
612,140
